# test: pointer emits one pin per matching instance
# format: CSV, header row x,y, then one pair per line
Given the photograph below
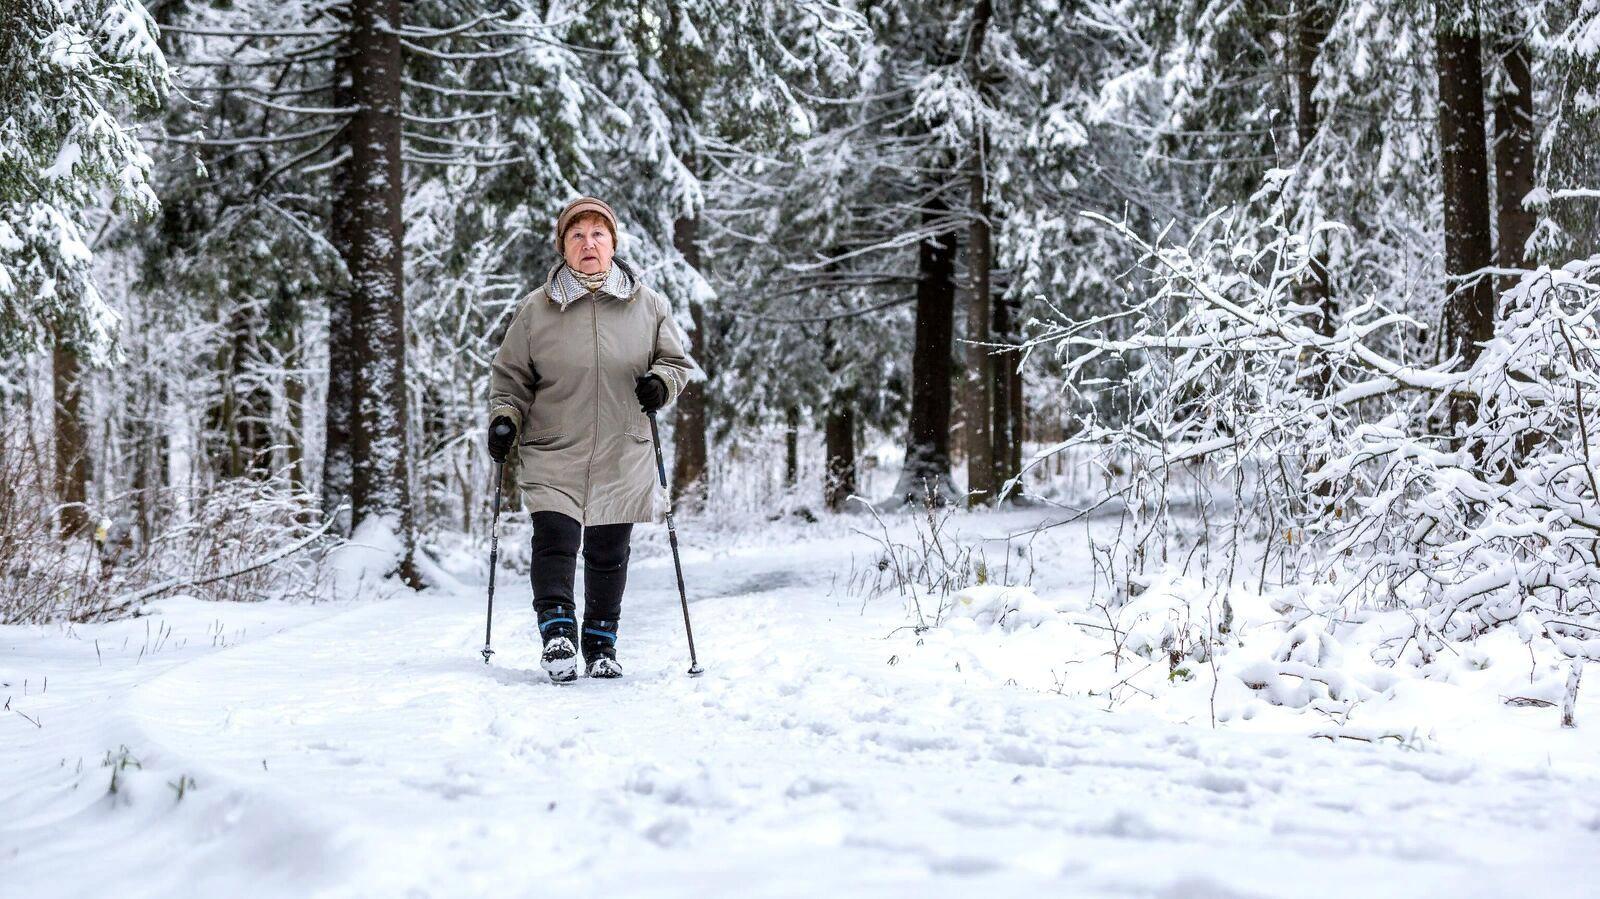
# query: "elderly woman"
x,y
587,355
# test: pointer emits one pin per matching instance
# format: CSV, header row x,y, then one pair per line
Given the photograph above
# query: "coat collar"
x,y
563,287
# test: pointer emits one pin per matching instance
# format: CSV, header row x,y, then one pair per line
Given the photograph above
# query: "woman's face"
x,y
588,246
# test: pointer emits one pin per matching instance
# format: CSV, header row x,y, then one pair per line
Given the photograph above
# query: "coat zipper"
x,y
594,442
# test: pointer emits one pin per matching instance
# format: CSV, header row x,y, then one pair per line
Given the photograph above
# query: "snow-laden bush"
x,y
1347,470
997,606
1498,522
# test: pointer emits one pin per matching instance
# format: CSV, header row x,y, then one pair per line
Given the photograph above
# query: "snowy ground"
x,y
363,749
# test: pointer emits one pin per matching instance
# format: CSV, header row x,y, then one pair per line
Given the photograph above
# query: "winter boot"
x,y
600,647
558,627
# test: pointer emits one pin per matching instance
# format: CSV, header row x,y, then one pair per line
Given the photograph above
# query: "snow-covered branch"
x,y
1492,521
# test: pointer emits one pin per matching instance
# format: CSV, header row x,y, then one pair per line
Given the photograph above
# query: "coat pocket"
x,y
541,436
639,454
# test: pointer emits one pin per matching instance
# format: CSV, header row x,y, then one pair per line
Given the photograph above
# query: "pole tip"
x,y
696,671
486,653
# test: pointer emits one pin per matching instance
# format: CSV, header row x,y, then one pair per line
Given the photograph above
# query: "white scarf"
x,y
567,284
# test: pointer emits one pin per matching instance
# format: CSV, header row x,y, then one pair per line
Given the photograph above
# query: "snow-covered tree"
x,y
73,74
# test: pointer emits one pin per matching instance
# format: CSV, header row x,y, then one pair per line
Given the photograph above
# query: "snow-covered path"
x,y
365,750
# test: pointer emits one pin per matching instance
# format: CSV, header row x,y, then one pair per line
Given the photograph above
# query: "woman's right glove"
x,y
651,391
502,434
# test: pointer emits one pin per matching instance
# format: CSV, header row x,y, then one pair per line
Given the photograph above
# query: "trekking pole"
x,y
672,537
494,559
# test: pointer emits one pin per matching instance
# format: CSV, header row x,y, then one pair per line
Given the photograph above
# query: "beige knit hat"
x,y
584,206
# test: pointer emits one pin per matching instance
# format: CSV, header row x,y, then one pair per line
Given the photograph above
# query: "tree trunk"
x,y
839,439
1513,160
927,463
294,398
340,404
72,453
141,427
1005,394
239,420
791,446
158,457
980,379
980,394
1513,181
251,401
1469,306
1311,27
838,428
373,194
226,416
689,486
340,407
1014,394
1006,383
1312,20
163,459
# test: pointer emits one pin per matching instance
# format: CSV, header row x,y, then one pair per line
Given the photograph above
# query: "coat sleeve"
x,y
670,361
511,375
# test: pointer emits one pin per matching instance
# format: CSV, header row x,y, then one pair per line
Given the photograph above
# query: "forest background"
x,y
255,257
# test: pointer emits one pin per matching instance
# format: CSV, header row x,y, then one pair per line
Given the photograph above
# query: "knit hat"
x,y
584,206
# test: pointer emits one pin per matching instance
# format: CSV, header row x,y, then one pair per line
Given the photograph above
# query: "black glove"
x,y
502,434
651,391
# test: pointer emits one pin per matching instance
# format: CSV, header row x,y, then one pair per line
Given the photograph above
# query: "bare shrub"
x,y
228,544
926,573
41,576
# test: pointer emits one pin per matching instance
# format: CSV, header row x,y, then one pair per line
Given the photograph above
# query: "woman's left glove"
x,y
502,434
651,391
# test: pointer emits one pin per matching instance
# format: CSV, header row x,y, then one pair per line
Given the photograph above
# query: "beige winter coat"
x,y
584,442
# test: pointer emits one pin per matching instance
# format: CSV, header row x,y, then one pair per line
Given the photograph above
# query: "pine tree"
x,y
70,72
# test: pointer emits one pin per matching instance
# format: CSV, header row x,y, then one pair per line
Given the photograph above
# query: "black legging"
x,y
555,560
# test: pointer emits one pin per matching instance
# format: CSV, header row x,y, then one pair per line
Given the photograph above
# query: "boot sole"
x,y
563,667
561,671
